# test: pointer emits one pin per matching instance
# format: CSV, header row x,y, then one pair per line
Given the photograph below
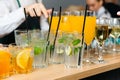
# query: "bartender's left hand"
x,y
39,8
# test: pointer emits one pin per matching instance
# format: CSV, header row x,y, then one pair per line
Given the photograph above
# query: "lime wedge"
x,y
37,50
60,51
68,51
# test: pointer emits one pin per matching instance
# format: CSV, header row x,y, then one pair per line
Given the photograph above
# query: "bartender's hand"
x,y
39,8
118,13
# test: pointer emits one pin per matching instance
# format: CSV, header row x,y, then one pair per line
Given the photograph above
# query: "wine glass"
x,y
101,34
115,33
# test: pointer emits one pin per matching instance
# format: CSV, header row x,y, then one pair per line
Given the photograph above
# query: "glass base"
x,y
4,76
39,66
99,62
67,66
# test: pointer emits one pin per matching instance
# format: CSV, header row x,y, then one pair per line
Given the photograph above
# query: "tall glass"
x,y
39,43
21,37
77,20
89,32
57,56
72,48
101,34
115,33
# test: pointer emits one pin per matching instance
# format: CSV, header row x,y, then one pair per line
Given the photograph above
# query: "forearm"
x,y
10,22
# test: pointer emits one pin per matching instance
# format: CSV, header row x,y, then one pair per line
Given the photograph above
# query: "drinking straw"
x,y
26,22
57,26
35,12
49,32
79,60
50,24
36,15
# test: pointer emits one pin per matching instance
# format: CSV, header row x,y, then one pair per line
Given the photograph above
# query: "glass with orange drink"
x,y
22,59
77,20
5,62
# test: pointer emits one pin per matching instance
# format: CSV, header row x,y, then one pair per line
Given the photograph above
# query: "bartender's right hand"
x,y
118,13
39,8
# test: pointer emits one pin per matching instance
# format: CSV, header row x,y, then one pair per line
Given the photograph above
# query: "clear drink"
x,y
71,57
58,54
39,45
21,37
40,55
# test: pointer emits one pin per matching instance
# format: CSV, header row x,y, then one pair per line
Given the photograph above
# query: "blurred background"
x,y
66,3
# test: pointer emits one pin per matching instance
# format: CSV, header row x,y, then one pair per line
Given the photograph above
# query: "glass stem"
x,y
114,45
88,54
100,58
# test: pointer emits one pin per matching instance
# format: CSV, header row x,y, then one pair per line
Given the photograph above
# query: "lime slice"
x,y
37,50
68,51
60,51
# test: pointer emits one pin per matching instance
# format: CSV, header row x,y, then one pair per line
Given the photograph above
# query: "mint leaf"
x,y
76,51
76,42
51,47
61,40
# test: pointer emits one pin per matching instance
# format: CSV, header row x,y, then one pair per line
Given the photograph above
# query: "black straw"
x,y
36,15
35,12
49,32
50,24
26,22
57,26
79,60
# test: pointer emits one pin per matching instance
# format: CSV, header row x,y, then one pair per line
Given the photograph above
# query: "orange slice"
x,y
23,58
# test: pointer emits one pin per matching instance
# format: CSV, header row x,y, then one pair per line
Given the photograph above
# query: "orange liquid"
x,y
90,29
54,23
65,25
75,24
5,60
27,69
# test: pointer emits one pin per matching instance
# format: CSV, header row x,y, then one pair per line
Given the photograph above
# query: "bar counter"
x,y
59,72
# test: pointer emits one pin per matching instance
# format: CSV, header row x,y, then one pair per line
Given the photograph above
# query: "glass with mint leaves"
x,y
72,43
39,43
57,50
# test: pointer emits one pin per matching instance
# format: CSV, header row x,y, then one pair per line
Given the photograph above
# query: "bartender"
x,y
12,16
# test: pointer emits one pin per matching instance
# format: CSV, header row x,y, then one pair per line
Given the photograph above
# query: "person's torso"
x,y
102,12
32,22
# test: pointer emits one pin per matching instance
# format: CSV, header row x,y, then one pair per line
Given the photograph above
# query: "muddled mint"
x,y
76,50
51,47
76,42
62,40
